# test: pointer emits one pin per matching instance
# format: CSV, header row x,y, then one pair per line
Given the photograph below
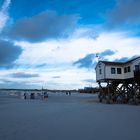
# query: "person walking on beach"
x,y
25,96
32,96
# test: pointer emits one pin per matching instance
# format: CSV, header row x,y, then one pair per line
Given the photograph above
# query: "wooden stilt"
x,y
123,91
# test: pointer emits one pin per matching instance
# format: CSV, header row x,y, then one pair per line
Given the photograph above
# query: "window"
x,y
99,65
125,70
100,71
128,69
113,71
119,71
136,67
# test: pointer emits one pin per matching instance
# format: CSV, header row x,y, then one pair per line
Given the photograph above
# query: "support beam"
x,y
124,91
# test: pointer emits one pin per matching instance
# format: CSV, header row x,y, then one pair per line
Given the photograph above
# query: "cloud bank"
x,y
8,53
89,61
46,25
126,12
86,62
24,75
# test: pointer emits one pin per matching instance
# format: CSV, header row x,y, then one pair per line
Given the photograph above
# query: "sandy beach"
x,y
63,117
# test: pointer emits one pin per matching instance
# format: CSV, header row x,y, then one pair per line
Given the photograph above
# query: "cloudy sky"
x,y
53,43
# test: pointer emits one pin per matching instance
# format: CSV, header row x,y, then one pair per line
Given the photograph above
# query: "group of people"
x,y
44,95
68,93
32,96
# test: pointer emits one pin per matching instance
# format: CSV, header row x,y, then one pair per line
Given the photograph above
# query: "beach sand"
x,y
63,117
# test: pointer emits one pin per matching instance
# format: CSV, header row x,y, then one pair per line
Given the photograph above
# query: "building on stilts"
x,y
119,81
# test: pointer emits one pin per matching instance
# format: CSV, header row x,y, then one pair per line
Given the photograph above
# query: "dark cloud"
x,y
7,84
23,75
89,60
124,59
41,65
43,26
90,10
102,55
5,81
90,80
107,53
8,53
86,62
56,77
126,12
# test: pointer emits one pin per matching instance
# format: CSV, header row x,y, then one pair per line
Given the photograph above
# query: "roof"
x,y
133,59
112,63
118,63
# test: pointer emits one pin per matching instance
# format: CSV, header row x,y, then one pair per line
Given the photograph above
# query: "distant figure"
x,y
25,96
32,96
69,93
45,95
66,93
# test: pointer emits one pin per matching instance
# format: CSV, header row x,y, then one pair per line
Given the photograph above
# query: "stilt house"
x,y
126,74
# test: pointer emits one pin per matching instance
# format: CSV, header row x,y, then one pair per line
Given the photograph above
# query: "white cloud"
x,y
5,6
69,78
3,19
3,14
60,54
69,50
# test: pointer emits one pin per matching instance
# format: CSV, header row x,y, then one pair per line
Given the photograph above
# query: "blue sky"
x,y
53,43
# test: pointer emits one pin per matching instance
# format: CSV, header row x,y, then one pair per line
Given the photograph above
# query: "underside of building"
x,y
120,91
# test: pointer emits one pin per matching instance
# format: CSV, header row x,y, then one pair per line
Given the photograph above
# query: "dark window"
x,y
128,69
125,70
113,71
119,71
137,67
100,71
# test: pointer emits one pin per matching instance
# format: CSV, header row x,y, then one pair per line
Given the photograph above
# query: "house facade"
x,y
116,70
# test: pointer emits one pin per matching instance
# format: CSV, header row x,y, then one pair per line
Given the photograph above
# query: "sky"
x,y
54,43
